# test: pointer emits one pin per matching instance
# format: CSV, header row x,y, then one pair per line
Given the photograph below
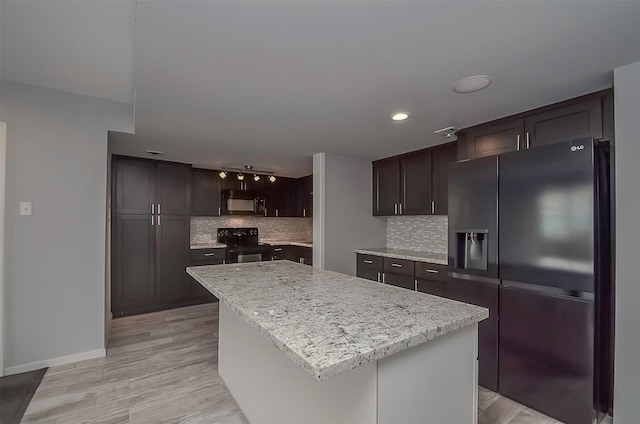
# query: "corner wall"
x,y
626,408
55,259
342,218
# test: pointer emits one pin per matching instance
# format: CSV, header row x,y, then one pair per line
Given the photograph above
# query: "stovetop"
x,y
234,237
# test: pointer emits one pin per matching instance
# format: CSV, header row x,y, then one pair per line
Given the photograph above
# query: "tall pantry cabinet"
x,y
151,216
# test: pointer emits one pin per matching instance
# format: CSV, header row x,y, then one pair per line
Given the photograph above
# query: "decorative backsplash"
x,y
418,233
204,229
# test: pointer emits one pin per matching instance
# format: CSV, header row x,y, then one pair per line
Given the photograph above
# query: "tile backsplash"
x,y
204,229
418,233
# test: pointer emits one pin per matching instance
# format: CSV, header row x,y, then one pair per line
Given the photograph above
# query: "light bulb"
x,y
223,174
272,178
241,176
256,177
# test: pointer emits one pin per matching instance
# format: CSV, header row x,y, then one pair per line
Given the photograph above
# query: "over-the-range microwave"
x,y
241,202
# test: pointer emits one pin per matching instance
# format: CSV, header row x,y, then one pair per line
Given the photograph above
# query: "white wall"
x,y
55,259
626,404
342,219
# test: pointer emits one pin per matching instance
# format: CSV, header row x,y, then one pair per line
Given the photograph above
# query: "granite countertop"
x,y
211,245
326,322
302,243
214,245
412,255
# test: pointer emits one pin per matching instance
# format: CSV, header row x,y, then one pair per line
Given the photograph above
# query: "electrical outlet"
x,y
25,208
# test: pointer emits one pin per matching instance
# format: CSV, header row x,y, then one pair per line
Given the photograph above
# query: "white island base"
x,y
432,383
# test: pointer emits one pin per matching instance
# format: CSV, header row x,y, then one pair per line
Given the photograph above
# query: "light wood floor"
x,y
162,368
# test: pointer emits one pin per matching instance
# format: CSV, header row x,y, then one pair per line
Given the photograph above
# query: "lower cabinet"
x,y
305,255
399,272
481,294
369,267
203,257
284,252
149,257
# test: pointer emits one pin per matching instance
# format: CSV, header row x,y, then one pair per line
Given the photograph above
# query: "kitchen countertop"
x,y
326,322
214,245
211,245
411,255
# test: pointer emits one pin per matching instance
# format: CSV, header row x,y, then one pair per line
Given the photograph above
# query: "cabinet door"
x,y
490,140
133,265
404,281
386,187
566,123
441,157
305,255
485,295
173,189
172,257
134,186
436,288
305,196
205,192
285,252
415,184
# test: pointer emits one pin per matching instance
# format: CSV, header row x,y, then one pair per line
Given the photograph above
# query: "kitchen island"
x,y
302,345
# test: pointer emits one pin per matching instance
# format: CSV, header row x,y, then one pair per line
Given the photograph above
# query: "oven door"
x,y
242,254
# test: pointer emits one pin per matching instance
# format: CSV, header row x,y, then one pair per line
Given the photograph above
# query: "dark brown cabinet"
x,y
205,192
386,187
369,267
305,255
150,235
281,197
305,196
576,118
284,252
201,257
414,183
231,182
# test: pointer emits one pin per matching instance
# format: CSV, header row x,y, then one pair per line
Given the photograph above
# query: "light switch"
x,y
25,208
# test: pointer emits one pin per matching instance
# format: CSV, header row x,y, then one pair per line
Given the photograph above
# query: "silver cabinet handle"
x,y
400,209
415,285
396,265
383,278
433,207
304,213
153,208
276,211
528,140
152,224
209,254
378,279
395,209
158,220
224,261
433,271
518,142
277,250
367,261
158,208
219,214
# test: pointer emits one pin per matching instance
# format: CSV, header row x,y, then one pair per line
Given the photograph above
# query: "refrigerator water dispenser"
x,y
472,249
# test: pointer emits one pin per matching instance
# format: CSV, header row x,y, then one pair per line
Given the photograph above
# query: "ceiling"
x,y
270,83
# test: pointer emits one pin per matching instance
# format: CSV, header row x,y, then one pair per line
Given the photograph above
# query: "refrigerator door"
x,y
547,216
473,217
547,353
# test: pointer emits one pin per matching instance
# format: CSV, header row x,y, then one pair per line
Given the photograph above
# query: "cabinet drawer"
x,y
369,261
429,271
436,288
404,281
200,255
398,266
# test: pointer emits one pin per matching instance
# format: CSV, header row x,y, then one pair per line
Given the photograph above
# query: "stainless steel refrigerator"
x,y
538,222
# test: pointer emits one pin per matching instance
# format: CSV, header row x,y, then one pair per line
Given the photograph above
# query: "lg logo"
x,y
576,148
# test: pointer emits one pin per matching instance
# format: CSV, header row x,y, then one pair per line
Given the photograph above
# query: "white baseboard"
x,y
62,360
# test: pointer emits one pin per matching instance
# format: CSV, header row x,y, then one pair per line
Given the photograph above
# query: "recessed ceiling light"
x,y
472,84
399,116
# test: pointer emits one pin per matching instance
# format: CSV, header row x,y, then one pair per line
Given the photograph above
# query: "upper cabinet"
x,y
571,119
413,184
148,187
305,196
205,192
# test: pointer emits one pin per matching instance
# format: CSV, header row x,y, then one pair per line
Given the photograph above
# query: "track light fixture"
x,y
240,176
223,174
272,179
256,177
256,174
